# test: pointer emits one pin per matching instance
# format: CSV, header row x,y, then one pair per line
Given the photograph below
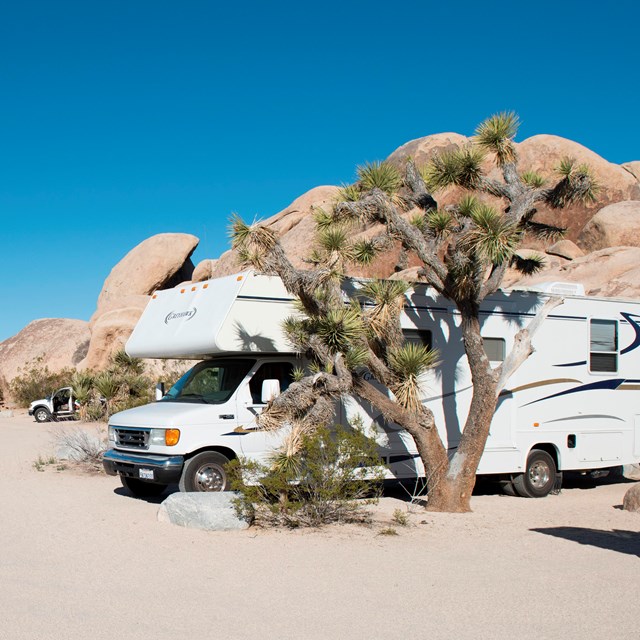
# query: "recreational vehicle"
x,y
572,405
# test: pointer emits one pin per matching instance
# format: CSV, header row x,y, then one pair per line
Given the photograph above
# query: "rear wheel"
x,y
205,472
539,477
142,489
41,414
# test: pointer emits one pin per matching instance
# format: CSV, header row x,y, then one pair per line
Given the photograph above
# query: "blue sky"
x,y
120,119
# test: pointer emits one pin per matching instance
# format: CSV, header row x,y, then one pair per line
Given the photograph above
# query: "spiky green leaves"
x,y
408,363
496,134
461,167
363,252
439,222
349,193
492,237
388,297
532,179
578,183
380,175
252,242
340,329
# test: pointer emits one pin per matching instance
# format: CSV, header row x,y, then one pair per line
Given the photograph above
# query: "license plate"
x,y
145,474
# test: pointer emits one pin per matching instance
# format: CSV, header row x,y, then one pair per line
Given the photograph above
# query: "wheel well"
x,y
550,449
41,406
228,453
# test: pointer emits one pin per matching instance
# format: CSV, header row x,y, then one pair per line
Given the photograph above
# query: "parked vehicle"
x,y
59,405
573,405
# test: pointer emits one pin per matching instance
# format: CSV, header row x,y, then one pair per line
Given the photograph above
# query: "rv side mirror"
x,y
270,390
159,391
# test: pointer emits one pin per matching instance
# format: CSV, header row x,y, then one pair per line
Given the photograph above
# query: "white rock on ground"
x,y
632,499
207,511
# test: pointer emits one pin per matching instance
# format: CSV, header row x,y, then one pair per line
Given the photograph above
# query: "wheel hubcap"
x,y
539,474
210,477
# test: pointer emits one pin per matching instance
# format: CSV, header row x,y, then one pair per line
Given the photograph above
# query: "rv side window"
x,y
418,336
495,349
603,345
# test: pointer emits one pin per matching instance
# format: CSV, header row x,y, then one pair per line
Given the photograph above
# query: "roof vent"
x,y
560,288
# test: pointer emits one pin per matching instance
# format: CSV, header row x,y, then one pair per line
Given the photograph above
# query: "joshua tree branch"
x,y
419,194
522,348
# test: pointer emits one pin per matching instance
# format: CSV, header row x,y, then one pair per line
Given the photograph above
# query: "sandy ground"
x,y
79,558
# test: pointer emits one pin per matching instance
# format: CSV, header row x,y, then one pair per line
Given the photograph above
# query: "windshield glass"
x,y
210,382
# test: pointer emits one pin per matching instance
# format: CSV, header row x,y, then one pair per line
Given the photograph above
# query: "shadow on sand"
x,y
616,540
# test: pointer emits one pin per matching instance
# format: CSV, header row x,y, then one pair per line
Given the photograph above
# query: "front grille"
x,y
133,438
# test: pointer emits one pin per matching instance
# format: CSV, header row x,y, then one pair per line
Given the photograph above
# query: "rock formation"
x,y
601,250
616,225
159,262
59,342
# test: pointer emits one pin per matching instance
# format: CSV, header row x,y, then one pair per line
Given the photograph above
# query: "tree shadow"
x,y
616,540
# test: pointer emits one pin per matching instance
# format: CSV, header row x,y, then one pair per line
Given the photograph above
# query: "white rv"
x,y
573,405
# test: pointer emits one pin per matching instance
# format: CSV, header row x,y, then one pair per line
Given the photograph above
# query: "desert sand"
x,y
79,558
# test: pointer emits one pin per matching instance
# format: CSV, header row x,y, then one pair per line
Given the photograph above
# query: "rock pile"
x,y
601,250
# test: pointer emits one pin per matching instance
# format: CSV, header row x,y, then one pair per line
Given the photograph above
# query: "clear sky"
x,y
120,119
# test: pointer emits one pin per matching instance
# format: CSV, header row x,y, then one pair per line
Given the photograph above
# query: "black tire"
x,y
539,478
42,414
507,487
205,472
141,489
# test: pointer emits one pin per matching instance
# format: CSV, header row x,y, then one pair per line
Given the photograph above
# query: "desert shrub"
x,y
36,381
334,476
80,447
121,386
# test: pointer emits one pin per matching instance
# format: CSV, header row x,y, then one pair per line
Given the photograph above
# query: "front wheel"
x,y
205,472
539,477
41,414
141,489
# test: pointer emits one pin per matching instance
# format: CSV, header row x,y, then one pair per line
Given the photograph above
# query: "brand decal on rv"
x,y
176,315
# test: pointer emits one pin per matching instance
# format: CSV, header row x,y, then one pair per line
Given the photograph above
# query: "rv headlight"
x,y
111,434
164,437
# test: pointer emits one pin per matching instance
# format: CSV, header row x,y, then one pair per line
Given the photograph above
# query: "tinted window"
x,y
495,349
603,345
210,382
281,371
418,336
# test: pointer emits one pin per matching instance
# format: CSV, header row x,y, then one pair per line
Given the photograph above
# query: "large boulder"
x,y
612,272
60,342
565,249
109,333
210,511
633,168
204,270
159,262
543,153
616,225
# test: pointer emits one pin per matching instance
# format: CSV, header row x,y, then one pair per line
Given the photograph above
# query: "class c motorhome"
x,y
573,404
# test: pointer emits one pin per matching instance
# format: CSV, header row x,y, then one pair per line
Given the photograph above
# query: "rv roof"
x,y
557,288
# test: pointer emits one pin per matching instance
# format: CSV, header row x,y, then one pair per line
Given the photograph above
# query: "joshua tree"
x,y
465,251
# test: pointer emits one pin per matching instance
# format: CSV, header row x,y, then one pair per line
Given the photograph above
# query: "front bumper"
x,y
151,467
30,411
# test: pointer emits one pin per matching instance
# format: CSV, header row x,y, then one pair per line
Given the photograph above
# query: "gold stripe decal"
x,y
543,383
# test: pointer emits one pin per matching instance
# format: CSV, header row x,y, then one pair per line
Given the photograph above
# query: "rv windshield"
x,y
210,382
